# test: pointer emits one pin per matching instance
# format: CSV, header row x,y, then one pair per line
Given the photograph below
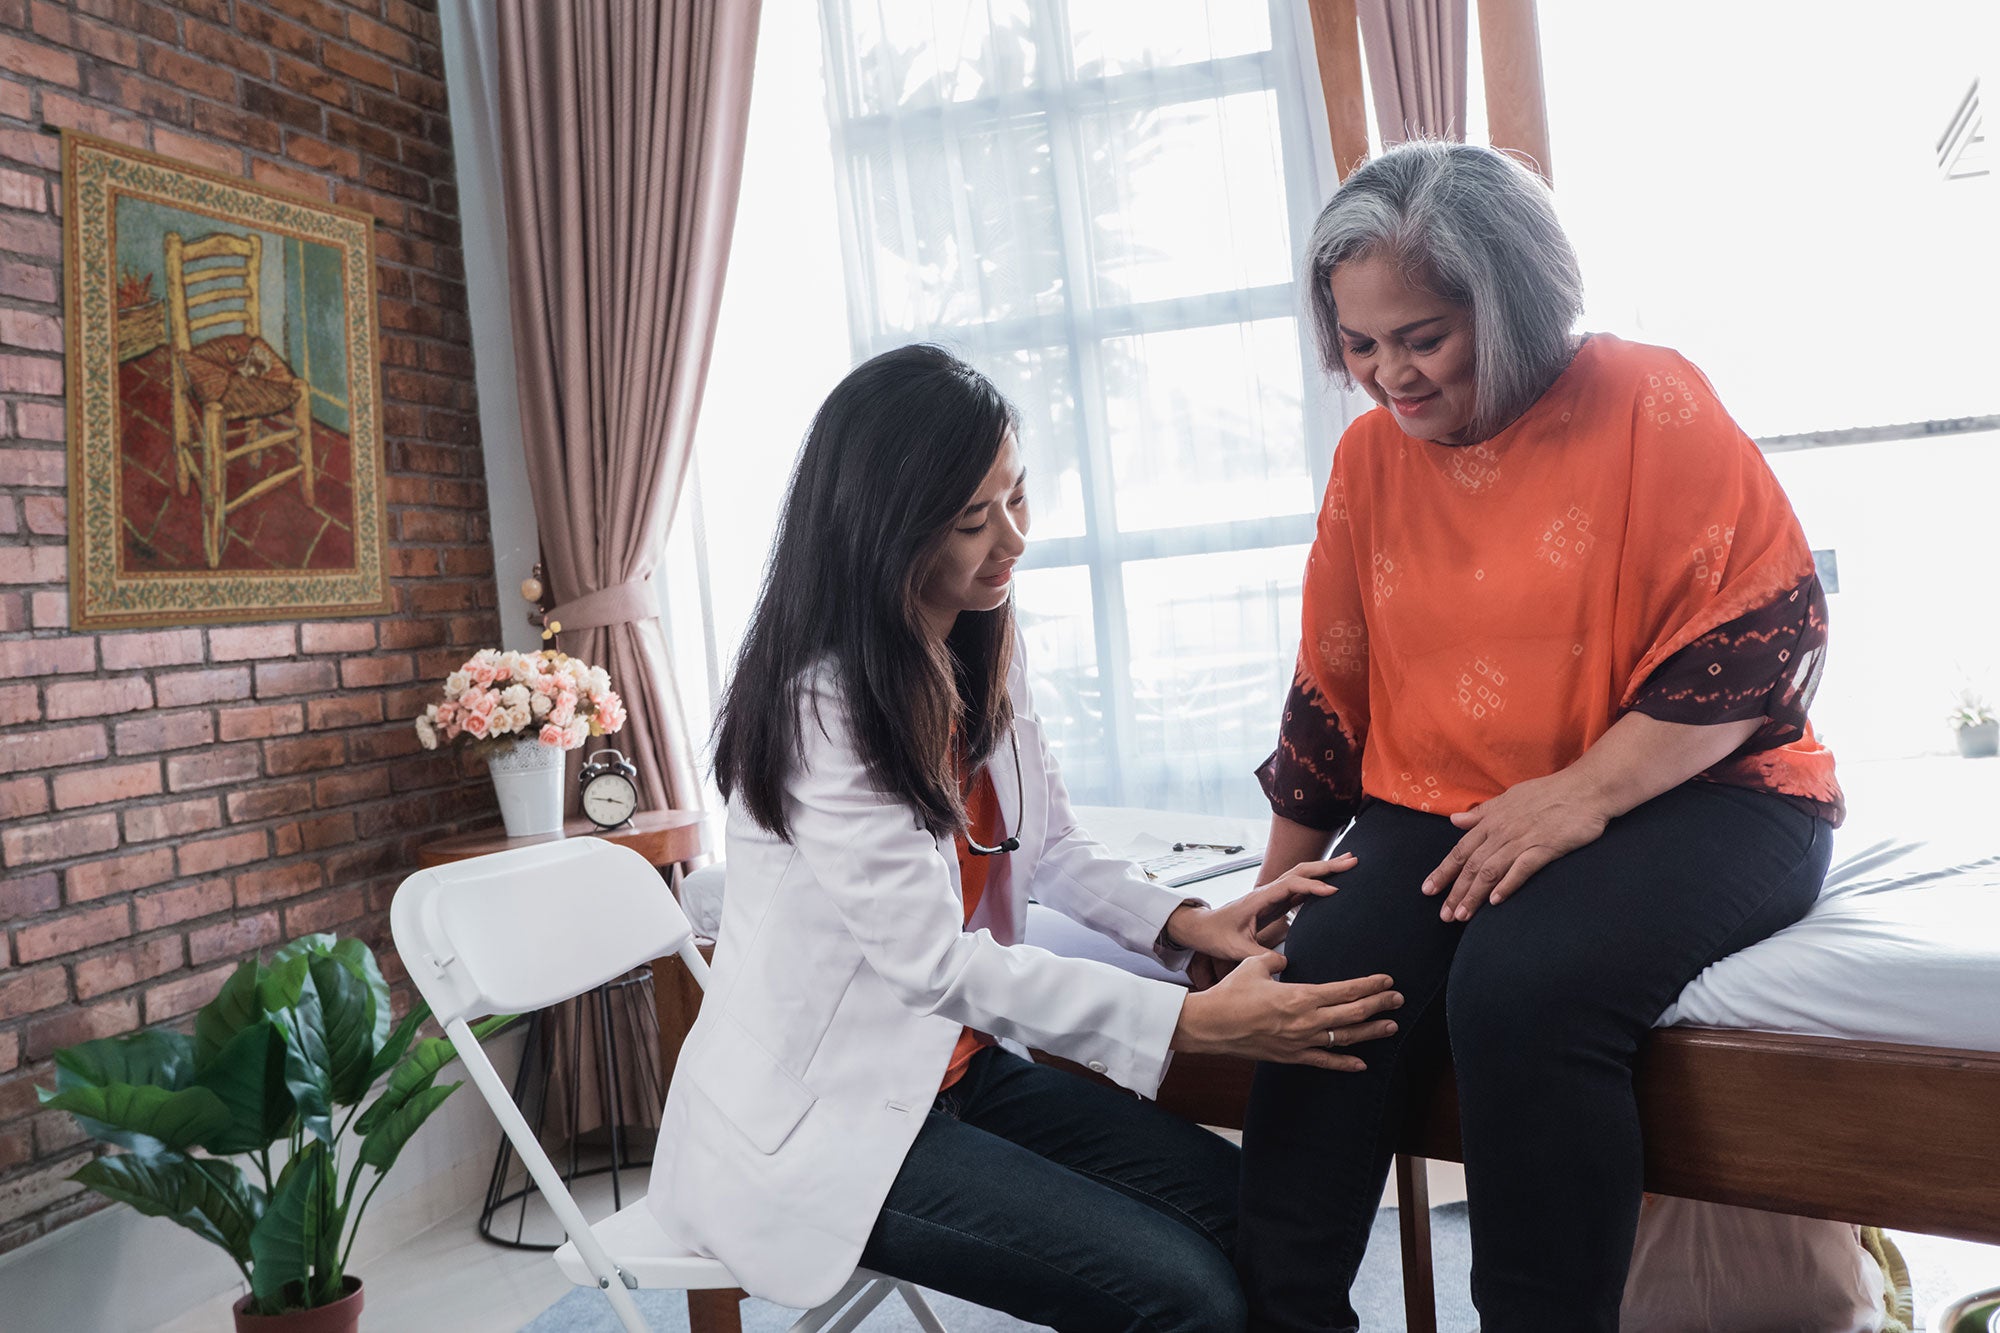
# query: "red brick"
x,y
234,938
19,190
32,992
302,756
334,830
17,705
25,328
357,66
22,798
181,688
32,467
248,641
96,698
128,966
71,114
60,839
32,236
131,92
52,746
269,801
276,679
326,912
67,934
119,874
254,888
228,122
262,26
46,515
43,64
347,788
287,840
205,39
15,1147
39,421
197,76
10,1052
412,633
184,995
351,710
289,180
383,41
313,81
318,13
200,152
51,610
391,742
323,156
212,768
163,731
25,659
337,636
45,1036
255,723
151,822
28,895
98,786
171,906
28,282
57,25
365,672
212,854
173,647
34,564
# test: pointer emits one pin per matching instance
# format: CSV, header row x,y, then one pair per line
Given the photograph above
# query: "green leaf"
x,y
358,958
388,1052
415,1074
307,947
382,1145
208,1197
142,1117
160,1059
486,1027
308,1073
248,1076
349,1013
282,982
288,1238
234,1008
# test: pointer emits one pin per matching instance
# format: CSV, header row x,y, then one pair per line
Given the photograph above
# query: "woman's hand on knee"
x,y
1223,936
1511,837
1250,1013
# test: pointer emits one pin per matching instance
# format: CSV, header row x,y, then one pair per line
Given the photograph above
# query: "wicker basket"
x,y
141,328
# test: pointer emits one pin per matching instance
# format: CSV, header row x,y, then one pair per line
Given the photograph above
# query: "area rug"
x,y
1378,1295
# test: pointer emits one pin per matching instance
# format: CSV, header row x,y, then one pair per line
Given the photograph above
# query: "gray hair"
x,y
1473,226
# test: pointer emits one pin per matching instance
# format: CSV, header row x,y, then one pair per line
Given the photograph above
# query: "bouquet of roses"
x,y
549,696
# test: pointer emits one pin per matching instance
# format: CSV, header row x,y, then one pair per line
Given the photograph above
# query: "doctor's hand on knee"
x,y
1255,923
1250,1013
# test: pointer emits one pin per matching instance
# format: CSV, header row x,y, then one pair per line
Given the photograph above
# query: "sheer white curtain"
x,y
1100,205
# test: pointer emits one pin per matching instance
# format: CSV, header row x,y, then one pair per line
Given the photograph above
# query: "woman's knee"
x,y
1509,1000
1202,1297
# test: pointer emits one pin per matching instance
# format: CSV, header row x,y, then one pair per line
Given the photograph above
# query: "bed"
x,y
1846,1068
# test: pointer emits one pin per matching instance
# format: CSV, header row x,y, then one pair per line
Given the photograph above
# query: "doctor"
x,y
843,1099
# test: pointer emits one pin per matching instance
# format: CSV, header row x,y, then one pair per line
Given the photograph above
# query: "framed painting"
x,y
225,427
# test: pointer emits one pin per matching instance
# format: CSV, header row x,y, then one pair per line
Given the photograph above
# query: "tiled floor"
x,y
277,530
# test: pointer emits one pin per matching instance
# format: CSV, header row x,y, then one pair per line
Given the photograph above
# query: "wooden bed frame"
x,y
1883,1135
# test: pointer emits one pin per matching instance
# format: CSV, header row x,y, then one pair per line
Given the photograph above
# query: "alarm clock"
x,y
610,789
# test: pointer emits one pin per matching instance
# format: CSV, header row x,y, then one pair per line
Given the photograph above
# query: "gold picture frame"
x,y
225,408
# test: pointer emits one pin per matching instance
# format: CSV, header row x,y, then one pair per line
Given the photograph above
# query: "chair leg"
x,y
920,1308
303,418
1413,1214
183,429
214,502
719,1311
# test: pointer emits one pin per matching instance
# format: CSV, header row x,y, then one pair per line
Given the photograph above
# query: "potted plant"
x,y
1976,725
524,711
281,1052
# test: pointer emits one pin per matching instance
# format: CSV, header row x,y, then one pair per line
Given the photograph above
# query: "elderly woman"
x,y
1561,628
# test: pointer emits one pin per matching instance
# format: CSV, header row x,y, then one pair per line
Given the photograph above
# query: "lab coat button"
x,y
1097,1066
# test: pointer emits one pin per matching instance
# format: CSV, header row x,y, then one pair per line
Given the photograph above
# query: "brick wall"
x,y
174,800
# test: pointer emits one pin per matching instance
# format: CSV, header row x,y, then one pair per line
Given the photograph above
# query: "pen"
x,y
1227,848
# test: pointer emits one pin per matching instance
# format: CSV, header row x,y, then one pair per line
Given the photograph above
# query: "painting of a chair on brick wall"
x,y
224,398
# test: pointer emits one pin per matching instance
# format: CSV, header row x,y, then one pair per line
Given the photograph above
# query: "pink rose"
x,y
476,724
481,673
483,705
564,710
610,712
553,734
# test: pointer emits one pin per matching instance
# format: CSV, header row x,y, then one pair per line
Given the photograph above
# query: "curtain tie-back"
x,y
621,603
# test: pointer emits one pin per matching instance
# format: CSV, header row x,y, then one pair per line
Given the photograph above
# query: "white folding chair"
x,y
524,929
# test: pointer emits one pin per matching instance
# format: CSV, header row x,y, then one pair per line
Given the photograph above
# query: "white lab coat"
x,y
843,973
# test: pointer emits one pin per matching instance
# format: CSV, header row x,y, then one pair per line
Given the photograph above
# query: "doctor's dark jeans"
x,y
1540,1004
1062,1202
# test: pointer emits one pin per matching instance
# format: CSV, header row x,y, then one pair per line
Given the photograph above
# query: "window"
x,y
1099,205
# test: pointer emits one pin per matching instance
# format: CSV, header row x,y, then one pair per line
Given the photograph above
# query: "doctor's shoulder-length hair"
x,y
1475,227
893,455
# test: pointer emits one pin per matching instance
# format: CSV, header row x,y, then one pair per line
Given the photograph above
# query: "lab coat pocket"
x,y
755,1093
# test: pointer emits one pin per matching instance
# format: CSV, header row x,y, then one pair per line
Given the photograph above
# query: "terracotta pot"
x,y
343,1316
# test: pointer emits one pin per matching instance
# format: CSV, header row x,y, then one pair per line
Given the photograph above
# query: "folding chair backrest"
x,y
524,929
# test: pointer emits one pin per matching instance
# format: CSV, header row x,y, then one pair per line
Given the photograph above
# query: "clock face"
x,y
609,799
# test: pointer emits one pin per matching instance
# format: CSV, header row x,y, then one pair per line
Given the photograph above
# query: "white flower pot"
x,y
528,779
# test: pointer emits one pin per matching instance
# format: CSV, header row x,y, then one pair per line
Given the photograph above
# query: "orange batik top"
x,y
1477,616
982,818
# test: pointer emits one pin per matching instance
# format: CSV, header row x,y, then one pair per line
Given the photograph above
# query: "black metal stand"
x,y
634,992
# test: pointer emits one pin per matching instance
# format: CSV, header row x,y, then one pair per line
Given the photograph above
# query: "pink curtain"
x,y
622,130
1416,65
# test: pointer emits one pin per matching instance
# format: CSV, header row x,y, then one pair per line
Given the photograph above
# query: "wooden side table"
x,y
668,839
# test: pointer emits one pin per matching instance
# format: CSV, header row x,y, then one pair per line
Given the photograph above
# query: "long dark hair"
x,y
894,454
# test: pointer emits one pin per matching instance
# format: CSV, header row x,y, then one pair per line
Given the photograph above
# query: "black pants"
x,y
1061,1202
1544,1000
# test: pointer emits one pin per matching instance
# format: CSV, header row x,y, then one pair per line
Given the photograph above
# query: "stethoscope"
x,y
1012,843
